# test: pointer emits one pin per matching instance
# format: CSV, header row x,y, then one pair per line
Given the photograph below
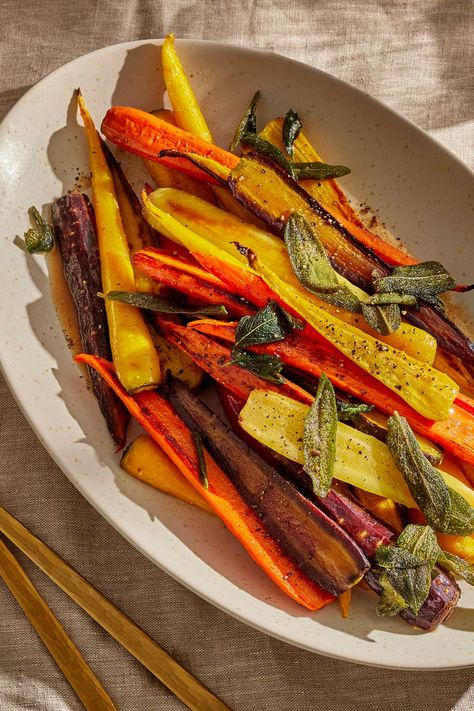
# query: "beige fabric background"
x,y
417,57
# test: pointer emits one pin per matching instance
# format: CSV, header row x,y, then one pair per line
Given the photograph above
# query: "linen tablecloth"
x,y
418,58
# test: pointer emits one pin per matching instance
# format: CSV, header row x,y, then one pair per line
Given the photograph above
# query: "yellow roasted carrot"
x,y
187,112
361,460
223,229
134,355
146,461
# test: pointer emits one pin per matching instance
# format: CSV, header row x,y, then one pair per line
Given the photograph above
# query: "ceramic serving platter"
x,y
421,190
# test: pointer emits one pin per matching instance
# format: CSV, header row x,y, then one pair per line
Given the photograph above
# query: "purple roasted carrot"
x,y
76,236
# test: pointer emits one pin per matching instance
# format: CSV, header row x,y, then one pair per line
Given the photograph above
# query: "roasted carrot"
x,y
186,109
455,435
214,359
133,352
159,419
193,281
147,135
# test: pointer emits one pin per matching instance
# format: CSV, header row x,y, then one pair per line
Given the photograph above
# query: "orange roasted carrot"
x,y
313,356
146,135
158,417
214,358
180,274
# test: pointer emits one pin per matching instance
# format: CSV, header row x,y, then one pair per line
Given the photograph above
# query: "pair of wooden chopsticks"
x,y
74,667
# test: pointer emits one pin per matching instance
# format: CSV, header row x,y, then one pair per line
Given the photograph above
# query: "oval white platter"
x,y
420,189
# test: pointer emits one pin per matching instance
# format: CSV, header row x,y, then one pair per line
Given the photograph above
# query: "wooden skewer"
x,y
61,647
186,687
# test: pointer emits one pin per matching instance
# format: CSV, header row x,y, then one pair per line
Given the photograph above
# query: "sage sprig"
x,y
247,124
264,365
445,510
348,411
392,297
423,280
407,570
383,319
457,565
317,170
312,266
290,130
319,437
270,324
152,302
39,238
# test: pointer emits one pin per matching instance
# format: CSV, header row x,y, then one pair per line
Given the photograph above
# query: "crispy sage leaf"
x,y
152,302
408,565
347,411
266,366
461,516
312,266
457,565
319,438
392,297
390,602
383,319
291,128
268,149
272,323
319,171
421,280
445,510
248,122
202,467
39,238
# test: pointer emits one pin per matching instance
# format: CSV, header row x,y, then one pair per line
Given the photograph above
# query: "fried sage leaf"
x,y
319,171
271,323
266,366
457,565
248,122
348,412
290,131
152,302
202,467
268,149
392,297
383,319
407,566
445,510
319,438
422,280
39,238
312,266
